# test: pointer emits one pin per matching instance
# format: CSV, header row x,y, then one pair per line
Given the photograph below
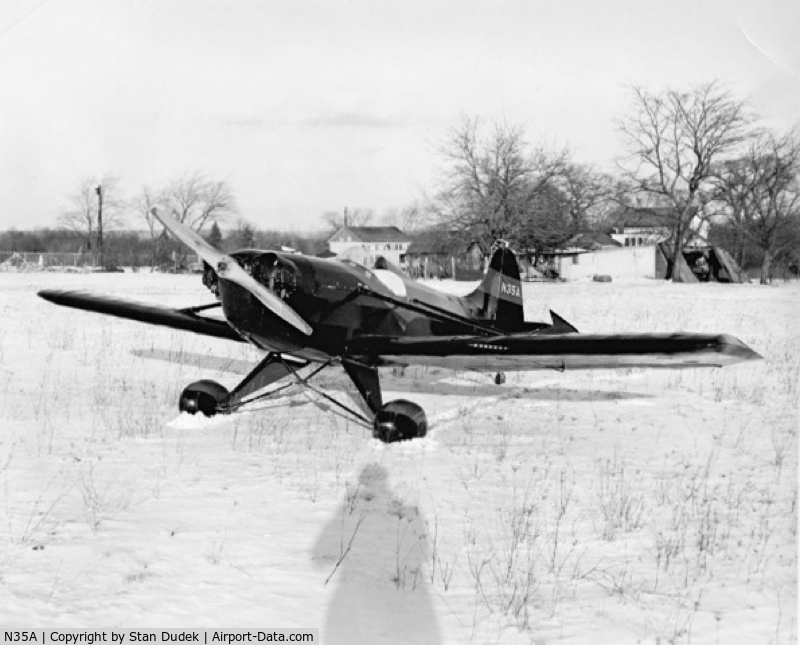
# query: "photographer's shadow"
x,y
374,550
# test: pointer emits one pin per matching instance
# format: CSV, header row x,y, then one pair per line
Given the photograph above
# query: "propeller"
x,y
228,269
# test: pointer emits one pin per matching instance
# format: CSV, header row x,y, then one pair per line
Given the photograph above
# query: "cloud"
x,y
247,122
352,120
332,120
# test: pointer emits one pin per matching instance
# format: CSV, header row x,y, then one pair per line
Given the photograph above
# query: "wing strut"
x,y
437,313
273,368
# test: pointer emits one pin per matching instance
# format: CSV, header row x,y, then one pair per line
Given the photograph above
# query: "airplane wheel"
x,y
202,396
399,421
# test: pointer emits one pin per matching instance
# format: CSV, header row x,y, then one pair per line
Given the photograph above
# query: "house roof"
x,y
436,245
427,246
375,233
593,240
650,217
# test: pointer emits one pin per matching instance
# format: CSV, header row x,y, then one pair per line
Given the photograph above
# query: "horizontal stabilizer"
x,y
560,326
153,314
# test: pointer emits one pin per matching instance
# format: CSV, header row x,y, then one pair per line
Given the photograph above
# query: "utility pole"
x,y
100,260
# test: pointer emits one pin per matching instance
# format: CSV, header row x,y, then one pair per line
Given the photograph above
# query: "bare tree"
x,y
591,194
354,217
194,199
674,137
81,213
733,184
761,192
491,180
143,205
409,218
548,223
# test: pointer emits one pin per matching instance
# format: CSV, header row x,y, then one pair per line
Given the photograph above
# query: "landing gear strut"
x,y
393,421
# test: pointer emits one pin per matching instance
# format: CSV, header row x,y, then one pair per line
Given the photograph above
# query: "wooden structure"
x,y
437,258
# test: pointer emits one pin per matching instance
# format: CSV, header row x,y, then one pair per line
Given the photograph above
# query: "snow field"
x,y
618,506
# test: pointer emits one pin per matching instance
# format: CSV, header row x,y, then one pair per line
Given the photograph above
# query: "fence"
x,y
29,261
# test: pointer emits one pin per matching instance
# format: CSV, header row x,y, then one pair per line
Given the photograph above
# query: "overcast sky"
x,y
305,106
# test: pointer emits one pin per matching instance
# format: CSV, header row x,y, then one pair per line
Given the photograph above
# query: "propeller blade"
x,y
228,269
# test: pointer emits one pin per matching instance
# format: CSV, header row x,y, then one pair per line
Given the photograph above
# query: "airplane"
x,y
308,312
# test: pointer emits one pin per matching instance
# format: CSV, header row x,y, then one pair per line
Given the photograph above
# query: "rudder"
x,y
498,298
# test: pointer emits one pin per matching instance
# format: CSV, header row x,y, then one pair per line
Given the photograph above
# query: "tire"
x,y
399,420
202,396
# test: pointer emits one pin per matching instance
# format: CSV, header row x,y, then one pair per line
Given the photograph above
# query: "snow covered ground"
x,y
619,506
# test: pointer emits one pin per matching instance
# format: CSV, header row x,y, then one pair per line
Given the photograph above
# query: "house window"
x,y
575,259
627,241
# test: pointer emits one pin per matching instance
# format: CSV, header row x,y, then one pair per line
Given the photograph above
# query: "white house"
x,y
364,244
648,226
641,227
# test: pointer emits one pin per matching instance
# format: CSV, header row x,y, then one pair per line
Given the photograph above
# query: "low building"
x,y
652,225
641,226
651,261
593,241
620,262
364,244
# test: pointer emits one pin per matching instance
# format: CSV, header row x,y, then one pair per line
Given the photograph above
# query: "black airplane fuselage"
x,y
378,317
339,300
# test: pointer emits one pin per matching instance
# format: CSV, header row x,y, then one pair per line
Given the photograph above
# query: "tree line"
x,y
693,155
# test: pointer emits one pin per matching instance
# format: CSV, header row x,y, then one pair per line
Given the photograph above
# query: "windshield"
x,y
279,276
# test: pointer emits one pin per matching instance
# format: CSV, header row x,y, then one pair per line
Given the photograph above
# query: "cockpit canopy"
x,y
279,275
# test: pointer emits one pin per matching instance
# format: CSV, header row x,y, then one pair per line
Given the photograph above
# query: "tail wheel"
x,y
399,421
202,396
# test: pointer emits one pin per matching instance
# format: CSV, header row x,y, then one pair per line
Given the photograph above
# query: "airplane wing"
x,y
184,319
555,351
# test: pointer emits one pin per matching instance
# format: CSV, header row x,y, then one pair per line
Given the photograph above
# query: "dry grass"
x,y
565,505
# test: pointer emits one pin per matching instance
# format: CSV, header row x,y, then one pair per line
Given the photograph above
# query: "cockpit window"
x,y
279,277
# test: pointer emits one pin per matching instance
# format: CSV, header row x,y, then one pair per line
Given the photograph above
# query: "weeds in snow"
x,y
621,505
101,500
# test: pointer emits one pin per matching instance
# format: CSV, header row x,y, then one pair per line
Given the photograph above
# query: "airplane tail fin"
x,y
499,295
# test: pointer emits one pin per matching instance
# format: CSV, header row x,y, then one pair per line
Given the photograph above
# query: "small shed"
x,y
432,256
618,262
